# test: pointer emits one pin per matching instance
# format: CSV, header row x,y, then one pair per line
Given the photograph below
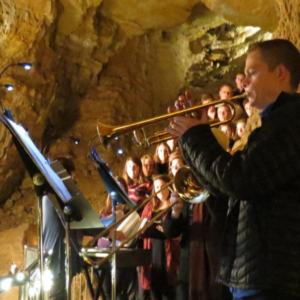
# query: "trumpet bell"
x,y
188,187
105,132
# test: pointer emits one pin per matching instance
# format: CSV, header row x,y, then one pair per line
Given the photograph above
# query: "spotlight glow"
x,y
37,284
27,66
120,151
6,284
113,194
47,280
31,292
13,268
20,276
9,87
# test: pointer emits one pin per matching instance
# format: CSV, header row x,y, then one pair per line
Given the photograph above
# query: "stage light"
x,y
20,276
8,87
13,268
32,292
26,66
37,284
120,151
47,280
75,140
6,284
113,194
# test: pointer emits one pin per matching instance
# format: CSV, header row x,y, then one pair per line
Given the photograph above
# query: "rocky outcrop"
x,y
260,13
116,62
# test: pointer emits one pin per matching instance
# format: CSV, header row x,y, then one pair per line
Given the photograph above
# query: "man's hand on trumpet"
x,y
184,101
179,125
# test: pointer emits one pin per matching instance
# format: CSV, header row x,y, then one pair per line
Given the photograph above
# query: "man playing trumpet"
x,y
261,244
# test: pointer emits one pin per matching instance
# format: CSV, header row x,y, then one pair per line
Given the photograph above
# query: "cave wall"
x,y
116,62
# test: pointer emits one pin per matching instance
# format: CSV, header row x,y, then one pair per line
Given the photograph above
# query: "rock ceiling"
x,y
114,60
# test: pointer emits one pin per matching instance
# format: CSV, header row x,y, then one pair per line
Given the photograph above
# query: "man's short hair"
x,y
207,96
221,105
279,51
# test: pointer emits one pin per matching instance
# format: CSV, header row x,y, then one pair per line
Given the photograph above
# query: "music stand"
x,y
77,213
118,196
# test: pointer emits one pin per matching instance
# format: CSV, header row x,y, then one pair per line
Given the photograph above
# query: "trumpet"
x,y
106,132
188,189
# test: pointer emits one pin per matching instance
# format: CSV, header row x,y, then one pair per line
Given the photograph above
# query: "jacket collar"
x,y
282,98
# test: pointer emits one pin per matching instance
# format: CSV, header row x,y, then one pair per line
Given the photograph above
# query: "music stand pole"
x,y
46,180
114,257
39,181
117,196
68,213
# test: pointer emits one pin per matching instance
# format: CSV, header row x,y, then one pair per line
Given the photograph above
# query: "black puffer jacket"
x,y
261,248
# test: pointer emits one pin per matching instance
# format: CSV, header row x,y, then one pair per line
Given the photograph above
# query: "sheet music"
x,y
111,185
54,180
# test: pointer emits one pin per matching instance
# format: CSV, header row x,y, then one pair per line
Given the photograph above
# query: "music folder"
x,y
115,191
66,191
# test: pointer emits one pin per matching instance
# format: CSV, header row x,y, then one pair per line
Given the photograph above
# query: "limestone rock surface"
x,y
260,13
135,17
116,62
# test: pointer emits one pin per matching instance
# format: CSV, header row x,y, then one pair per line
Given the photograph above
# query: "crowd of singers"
x,y
186,241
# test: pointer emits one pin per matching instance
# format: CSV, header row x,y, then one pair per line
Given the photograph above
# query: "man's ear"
x,y
283,73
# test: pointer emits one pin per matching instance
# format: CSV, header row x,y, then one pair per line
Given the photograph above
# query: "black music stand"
x,y
75,211
118,196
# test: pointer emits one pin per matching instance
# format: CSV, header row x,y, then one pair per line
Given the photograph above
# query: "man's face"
x,y
224,113
239,81
260,83
225,92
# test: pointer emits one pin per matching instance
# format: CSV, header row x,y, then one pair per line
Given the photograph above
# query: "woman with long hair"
x,y
200,227
175,162
160,278
138,186
148,166
161,158
107,209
